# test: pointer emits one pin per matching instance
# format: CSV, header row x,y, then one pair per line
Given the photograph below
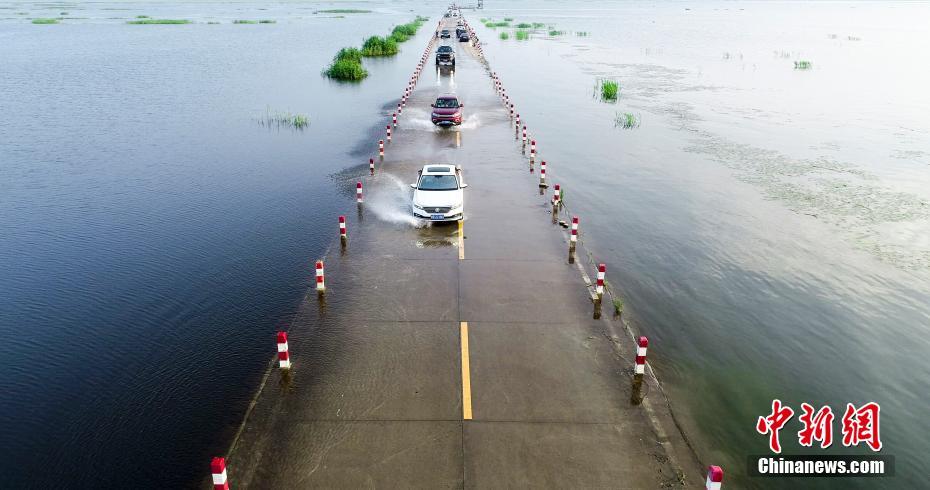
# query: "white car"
x,y
439,194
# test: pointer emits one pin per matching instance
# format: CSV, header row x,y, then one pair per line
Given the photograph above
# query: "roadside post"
x,y
218,469
284,358
599,290
573,240
343,235
639,370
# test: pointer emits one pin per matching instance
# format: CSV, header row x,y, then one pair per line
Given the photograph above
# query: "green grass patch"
x,y
610,89
286,119
143,17
537,25
618,306
494,25
505,36
521,35
524,25
803,65
343,11
379,46
626,120
347,65
44,21
554,33
158,21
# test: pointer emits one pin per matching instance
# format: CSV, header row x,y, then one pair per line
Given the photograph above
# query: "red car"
x,y
447,111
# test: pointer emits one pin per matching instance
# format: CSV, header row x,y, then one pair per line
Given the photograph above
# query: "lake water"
x,y
768,227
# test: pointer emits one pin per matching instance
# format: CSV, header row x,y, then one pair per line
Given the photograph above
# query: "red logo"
x,y
859,425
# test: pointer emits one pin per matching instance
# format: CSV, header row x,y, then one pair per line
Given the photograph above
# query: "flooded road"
x,y
766,226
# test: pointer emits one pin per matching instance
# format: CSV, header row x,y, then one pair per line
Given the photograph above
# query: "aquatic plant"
x,y
626,120
494,25
267,21
505,36
537,25
556,33
346,70
142,17
483,20
347,65
44,21
62,13
296,121
803,65
379,46
610,89
522,35
581,33
342,11
213,22
158,21
508,19
524,25
618,305
262,21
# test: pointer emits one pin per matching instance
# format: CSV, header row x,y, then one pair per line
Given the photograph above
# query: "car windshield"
x,y
447,103
438,183
445,49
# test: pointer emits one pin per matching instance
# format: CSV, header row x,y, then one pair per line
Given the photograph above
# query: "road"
x,y
458,355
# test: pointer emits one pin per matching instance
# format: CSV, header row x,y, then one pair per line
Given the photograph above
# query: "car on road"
x,y
447,111
445,55
439,193
463,37
444,34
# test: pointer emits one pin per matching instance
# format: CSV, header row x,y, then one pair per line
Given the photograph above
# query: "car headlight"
x,y
437,115
417,206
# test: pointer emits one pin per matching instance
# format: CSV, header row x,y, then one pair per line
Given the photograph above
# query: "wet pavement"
x,y
456,355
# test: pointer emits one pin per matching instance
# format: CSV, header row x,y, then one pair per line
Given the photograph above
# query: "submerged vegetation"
x,y
522,35
347,64
524,25
581,33
343,11
556,33
263,21
379,46
803,65
505,36
45,21
626,120
286,119
610,89
158,21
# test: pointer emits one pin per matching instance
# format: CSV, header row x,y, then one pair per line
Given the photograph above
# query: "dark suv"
x,y
447,111
445,56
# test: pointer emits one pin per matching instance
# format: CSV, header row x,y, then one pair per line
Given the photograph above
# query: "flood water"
x,y
766,226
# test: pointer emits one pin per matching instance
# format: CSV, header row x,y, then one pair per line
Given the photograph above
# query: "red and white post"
x,y
320,277
388,130
639,370
532,151
218,468
573,240
381,149
556,201
371,165
284,357
714,477
599,289
395,118
524,136
343,235
542,174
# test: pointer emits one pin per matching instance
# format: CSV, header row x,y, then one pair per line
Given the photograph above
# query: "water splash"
x,y
390,201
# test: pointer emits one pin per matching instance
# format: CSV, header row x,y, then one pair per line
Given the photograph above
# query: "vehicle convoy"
x,y
447,111
445,56
438,193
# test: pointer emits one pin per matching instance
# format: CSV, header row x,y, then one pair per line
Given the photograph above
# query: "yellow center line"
x,y
461,240
466,375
